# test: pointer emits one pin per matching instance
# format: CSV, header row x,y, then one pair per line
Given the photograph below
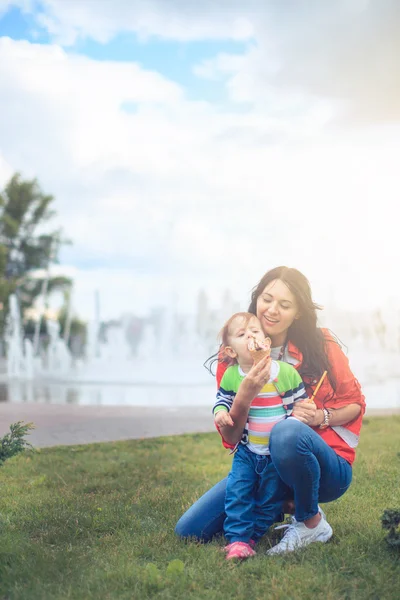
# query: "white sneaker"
x,y
298,535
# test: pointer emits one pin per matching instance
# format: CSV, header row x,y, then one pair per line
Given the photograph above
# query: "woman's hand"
x,y
306,412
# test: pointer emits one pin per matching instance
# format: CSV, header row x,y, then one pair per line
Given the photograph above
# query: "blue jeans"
x,y
307,468
254,496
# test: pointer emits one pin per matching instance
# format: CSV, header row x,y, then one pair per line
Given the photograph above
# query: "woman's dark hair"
x,y
303,332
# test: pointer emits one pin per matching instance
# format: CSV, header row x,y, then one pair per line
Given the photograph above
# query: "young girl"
x,y
252,499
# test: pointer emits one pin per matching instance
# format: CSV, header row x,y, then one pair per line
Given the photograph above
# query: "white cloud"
x,y
347,51
6,171
139,187
24,5
344,53
179,193
341,51
168,19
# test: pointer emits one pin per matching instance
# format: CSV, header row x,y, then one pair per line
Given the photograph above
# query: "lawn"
x,y
97,521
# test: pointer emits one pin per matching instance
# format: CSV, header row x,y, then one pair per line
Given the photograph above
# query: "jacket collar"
x,y
295,353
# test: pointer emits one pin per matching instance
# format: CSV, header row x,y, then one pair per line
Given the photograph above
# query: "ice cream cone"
x,y
259,349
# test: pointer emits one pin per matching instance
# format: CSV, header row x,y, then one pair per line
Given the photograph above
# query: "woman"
x,y
312,454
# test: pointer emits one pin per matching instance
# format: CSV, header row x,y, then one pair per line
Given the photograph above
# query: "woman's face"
x,y
277,308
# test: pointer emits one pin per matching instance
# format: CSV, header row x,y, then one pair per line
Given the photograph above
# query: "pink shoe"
x,y
252,544
239,550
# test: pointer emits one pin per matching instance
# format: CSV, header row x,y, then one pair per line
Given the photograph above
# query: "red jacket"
x,y
348,391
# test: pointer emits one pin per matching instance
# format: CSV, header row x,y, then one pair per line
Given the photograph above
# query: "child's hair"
x,y
224,333
223,338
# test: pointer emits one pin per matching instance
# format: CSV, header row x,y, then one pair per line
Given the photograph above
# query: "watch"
x,y
327,417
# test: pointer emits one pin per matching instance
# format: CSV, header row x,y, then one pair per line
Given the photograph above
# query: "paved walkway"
x,y
74,424
71,424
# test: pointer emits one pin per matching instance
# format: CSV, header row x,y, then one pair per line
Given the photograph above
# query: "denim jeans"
x,y
307,468
254,496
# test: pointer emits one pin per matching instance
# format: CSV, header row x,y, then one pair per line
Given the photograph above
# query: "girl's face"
x,y
239,333
277,308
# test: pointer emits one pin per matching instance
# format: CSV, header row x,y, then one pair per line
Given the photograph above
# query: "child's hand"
x,y
255,379
223,419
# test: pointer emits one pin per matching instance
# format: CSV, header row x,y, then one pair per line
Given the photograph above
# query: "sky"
x,y
195,145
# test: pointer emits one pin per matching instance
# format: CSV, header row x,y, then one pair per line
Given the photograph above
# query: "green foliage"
x,y
24,246
391,521
175,569
154,579
14,442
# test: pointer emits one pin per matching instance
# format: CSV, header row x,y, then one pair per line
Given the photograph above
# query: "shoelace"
x,y
291,534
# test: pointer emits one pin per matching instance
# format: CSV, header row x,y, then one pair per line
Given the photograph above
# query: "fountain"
x,y
165,367
166,359
19,351
59,359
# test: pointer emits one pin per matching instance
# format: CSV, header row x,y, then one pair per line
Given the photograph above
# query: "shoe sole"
x,y
239,557
323,538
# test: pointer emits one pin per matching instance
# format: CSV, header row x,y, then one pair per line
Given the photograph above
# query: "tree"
x,y
24,245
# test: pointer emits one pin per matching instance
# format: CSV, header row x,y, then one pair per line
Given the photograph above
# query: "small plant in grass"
x,y
156,579
391,521
14,442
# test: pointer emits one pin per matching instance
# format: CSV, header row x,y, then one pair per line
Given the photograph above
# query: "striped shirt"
x,y
273,404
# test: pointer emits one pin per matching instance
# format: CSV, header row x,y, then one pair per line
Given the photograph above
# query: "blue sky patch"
x,y
172,59
129,107
22,26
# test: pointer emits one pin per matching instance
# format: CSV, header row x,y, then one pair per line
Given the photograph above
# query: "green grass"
x,y
97,521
